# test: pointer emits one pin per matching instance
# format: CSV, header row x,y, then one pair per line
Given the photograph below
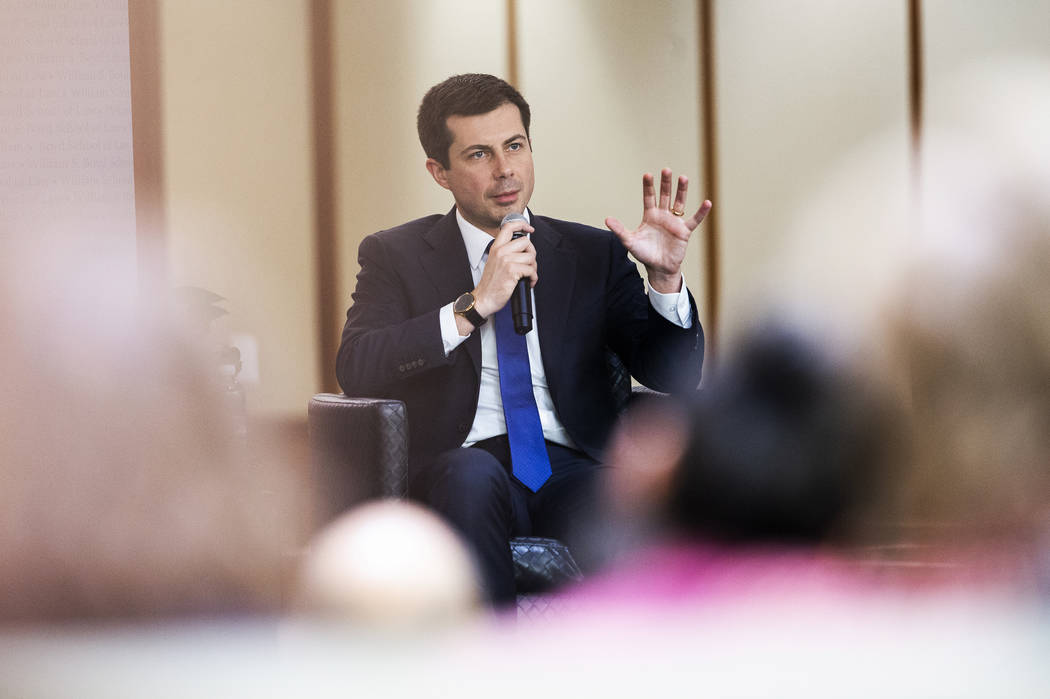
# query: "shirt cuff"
x,y
675,308
450,337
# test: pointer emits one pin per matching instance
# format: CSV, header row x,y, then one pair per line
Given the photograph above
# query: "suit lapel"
x,y
446,265
557,272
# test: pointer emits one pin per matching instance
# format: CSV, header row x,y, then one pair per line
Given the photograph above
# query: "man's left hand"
x,y
661,239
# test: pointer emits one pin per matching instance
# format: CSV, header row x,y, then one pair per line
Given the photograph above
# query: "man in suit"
x,y
430,325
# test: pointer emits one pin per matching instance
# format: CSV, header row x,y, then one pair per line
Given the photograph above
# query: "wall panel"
x,y
959,33
239,184
800,85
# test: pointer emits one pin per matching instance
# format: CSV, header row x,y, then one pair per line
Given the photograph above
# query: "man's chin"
x,y
513,207
492,218
501,212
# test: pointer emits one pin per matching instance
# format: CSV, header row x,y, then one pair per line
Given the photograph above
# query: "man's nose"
x,y
502,166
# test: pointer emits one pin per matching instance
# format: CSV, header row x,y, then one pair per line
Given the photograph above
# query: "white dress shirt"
x,y
489,420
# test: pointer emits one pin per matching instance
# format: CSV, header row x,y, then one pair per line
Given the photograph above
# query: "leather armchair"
x,y
359,450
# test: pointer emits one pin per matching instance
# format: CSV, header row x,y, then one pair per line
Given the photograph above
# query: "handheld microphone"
x,y
521,299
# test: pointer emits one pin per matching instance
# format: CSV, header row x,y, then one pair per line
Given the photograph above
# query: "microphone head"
x,y
512,216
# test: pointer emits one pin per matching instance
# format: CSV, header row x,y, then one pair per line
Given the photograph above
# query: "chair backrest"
x,y
619,380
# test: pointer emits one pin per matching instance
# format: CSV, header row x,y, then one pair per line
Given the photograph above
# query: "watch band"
x,y
474,317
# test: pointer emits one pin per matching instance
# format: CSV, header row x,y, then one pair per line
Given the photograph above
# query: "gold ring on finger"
x,y
678,212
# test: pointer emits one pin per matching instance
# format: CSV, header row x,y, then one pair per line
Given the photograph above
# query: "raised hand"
x,y
661,238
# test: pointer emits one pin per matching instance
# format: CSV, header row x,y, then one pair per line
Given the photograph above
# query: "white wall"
x,y
66,171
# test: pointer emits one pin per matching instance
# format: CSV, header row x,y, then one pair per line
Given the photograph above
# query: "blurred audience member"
x,y
967,337
745,487
783,443
123,494
390,565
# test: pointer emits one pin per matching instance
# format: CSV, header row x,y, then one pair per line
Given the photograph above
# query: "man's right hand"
x,y
509,260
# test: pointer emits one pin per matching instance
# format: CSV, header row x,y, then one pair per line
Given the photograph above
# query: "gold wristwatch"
x,y
464,306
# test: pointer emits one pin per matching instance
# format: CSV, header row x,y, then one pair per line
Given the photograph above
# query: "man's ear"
x,y
437,171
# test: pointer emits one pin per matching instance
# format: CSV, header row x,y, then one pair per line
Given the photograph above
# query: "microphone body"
x,y
521,299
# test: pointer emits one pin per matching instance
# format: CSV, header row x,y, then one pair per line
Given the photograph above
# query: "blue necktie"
x,y
528,451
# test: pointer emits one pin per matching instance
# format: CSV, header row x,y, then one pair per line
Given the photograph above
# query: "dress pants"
x,y
474,490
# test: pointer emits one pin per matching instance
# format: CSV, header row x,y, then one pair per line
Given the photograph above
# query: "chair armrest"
x,y
359,450
542,565
645,393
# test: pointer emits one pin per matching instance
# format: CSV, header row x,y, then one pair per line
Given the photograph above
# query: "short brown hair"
x,y
463,95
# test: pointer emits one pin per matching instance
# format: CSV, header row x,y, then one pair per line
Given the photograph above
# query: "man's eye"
x,y
514,146
477,155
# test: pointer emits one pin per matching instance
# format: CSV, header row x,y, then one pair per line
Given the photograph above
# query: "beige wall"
x,y
386,56
239,184
800,85
961,32
614,88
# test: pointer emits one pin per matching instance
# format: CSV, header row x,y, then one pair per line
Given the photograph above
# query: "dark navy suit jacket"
x,y
589,297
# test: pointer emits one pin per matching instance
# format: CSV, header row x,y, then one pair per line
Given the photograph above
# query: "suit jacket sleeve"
x,y
386,341
658,353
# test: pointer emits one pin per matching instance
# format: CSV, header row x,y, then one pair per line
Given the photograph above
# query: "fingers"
x,y
516,258
679,197
648,193
507,231
700,214
665,188
522,265
507,263
649,199
619,229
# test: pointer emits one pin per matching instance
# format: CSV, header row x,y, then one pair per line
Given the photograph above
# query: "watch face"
x,y
464,303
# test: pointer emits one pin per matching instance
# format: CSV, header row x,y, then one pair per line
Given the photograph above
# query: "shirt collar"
x,y
475,239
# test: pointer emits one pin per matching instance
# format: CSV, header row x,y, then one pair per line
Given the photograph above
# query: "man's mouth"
x,y
506,197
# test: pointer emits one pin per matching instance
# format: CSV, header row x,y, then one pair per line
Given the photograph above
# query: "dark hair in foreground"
x,y
463,95
783,444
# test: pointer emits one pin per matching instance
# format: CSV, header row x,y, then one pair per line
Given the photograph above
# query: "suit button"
x,y
421,362
401,368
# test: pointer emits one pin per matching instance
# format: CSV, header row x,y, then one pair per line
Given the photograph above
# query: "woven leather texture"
x,y
392,449
542,564
619,380
359,450
538,607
